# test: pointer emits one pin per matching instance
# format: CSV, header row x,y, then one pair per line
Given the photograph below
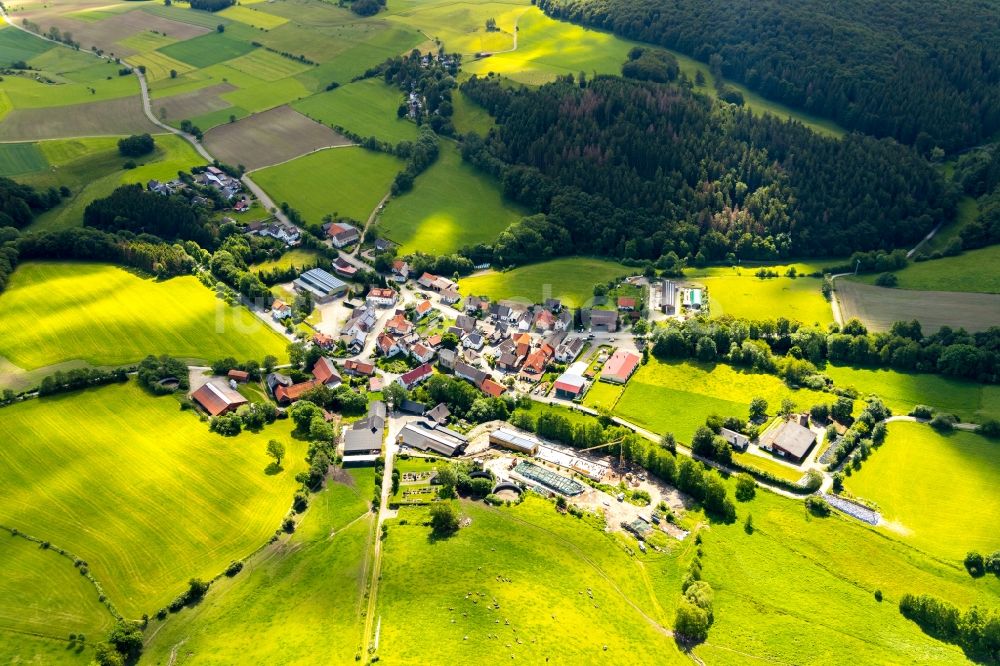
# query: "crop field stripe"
x,y
19,158
106,315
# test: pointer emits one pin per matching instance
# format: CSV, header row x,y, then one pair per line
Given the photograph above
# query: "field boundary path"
x,y
371,219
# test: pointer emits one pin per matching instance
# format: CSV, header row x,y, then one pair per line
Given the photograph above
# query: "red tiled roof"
x,y
434,340
568,388
379,292
238,375
323,340
626,302
324,371
360,367
217,399
293,392
416,374
423,307
491,388
620,366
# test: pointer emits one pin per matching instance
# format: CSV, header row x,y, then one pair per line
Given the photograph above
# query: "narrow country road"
x,y
371,219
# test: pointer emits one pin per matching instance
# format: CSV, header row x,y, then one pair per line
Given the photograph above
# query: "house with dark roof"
x,y
424,436
600,320
412,407
467,372
363,440
276,379
439,414
569,350
216,398
790,440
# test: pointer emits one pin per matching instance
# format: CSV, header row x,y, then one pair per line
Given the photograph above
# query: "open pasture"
x,y
523,591
92,168
43,599
570,279
253,17
141,490
902,391
18,45
208,49
106,315
320,569
190,18
18,158
270,137
266,65
366,107
462,25
143,42
749,297
344,182
879,307
451,205
969,271
344,51
800,590
677,396
111,117
941,493
297,257
158,65
469,116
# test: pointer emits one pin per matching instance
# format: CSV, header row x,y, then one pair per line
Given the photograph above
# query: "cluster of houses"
x,y
288,234
230,188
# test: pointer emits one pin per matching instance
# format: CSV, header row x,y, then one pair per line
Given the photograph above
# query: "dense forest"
x,y
132,208
924,72
20,203
638,170
978,172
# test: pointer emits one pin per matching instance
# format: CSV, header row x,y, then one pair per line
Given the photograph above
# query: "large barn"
x,y
218,398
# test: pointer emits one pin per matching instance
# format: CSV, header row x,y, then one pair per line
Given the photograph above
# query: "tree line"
x,y
20,204
976,630
920,71
639,170
795,352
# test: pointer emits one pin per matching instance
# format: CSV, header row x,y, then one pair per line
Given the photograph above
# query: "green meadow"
x,y
298,597
571,279
91,168
366,107
800,590
344,182
450,206
677,396
937,491
141,490
745,296
43,599
105,315
969,271
902,391
19,158
296,257
523,591
209,49
469,116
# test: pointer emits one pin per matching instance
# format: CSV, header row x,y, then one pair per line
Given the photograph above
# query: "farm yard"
x,y
366,108
912,478
320,568
344,182
678,396
902,391
517,561
105,315
268,138
570,279
197,500
451,205
879,307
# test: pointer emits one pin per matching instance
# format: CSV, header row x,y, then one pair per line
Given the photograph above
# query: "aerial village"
x,y
385,339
